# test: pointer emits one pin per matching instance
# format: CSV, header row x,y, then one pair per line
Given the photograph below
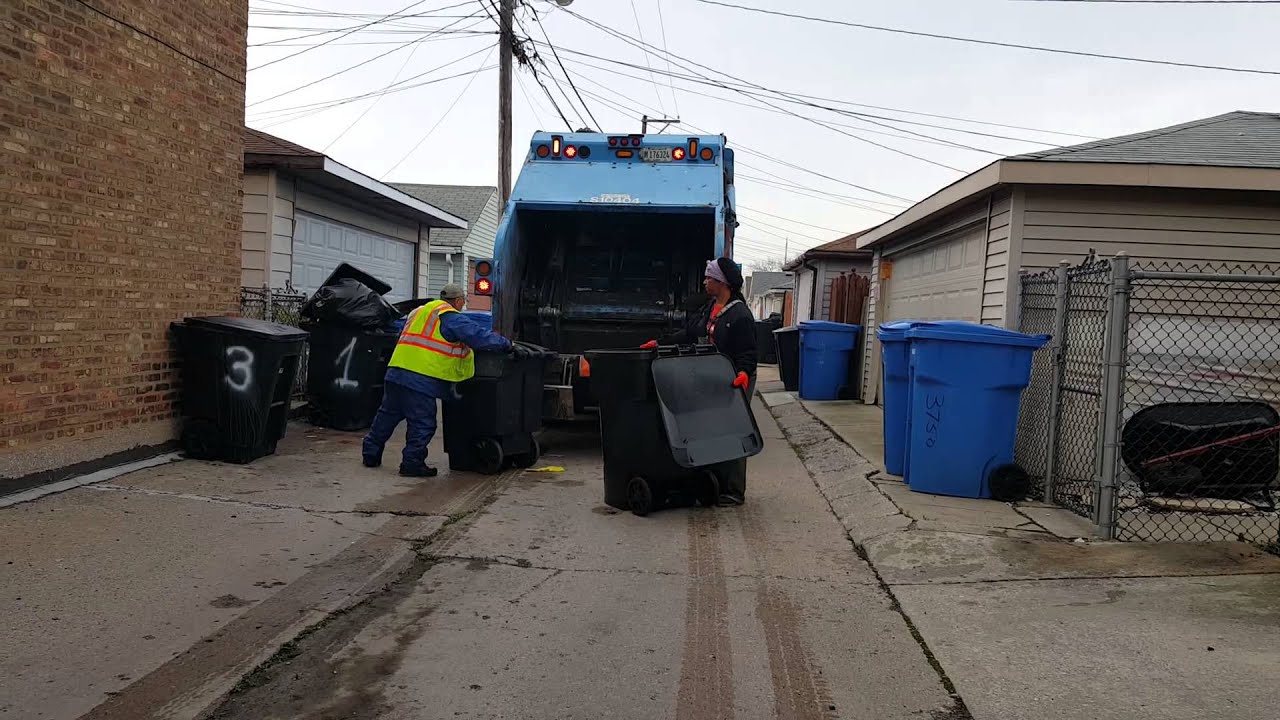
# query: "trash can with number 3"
x,y
966,385
237,375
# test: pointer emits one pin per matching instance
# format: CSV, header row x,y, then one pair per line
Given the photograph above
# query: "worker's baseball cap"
x,y
452,291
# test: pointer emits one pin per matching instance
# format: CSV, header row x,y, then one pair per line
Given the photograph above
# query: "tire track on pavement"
x,y
706,673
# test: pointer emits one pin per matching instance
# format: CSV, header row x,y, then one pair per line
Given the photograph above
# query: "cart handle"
x,y
1255,435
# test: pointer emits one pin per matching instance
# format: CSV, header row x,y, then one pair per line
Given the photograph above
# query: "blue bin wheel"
x,y
639,496
1009,483
489,458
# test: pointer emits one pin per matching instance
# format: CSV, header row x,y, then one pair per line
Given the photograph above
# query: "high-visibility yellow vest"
x,y
423,349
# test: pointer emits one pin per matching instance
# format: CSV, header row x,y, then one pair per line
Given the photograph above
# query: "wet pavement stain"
x,y
229,601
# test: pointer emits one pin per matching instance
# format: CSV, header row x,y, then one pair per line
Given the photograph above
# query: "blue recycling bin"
x,y
826,349
966,383
895,365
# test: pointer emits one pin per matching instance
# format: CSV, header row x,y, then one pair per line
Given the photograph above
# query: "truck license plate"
x,y
655,154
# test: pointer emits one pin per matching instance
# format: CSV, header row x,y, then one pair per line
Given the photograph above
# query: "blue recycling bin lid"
x,y
829,326
958,331
897,330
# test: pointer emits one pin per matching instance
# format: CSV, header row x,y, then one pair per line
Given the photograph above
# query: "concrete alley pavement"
x,y
551,605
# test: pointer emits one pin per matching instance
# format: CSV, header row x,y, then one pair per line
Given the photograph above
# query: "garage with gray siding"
x,y
1202,193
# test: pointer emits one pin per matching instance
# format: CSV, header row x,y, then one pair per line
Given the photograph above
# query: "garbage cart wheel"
x,y
489,457
709,490
640,496
524,461
1009,483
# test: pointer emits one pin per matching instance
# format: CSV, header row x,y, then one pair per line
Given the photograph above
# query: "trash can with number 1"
x,y
966,385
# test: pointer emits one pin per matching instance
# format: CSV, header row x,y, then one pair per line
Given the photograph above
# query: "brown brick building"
x,y
121,125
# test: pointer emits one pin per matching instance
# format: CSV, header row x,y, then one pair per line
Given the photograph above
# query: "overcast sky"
x,y
1048,92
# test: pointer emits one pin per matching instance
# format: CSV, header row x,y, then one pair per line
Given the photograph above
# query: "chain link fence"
x,y
282,306
1154,410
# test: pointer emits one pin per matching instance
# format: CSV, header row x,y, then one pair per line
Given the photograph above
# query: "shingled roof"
x,y
1236,139
465,201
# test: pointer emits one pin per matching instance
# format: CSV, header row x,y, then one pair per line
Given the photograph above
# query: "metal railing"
x,y
279,305
1153,411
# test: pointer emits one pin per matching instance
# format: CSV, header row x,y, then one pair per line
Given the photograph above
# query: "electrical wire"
x,y
330,76
352,30
662,23
994,43
632,41
527,101
787,219
640,30
449,36
556,54
448,110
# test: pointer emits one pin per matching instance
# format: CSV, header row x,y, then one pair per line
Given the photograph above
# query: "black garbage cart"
x,y
493,422
787,347
345,371
237,376
672,426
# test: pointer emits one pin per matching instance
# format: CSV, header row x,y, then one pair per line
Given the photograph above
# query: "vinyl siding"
x,y
282,227
483,231
438,274
871,345
999,261
1175,226
255,228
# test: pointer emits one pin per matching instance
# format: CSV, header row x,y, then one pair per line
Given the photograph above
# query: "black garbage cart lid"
x,y
261,329
344,271
707,419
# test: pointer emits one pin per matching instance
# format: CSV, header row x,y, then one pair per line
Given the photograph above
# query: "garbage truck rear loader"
x,y
603,245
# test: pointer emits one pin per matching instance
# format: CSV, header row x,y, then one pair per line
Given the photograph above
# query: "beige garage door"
x,y
942,281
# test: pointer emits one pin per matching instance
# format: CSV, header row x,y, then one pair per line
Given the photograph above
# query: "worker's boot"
x,y
422,471
372,461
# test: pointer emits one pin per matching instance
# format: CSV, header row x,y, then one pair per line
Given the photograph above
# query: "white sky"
x,y
1088,96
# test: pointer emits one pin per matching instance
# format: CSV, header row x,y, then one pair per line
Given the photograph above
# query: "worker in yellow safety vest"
x,y
434,351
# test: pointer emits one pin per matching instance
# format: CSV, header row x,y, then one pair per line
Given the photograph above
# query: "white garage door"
x,y
942,281
320,244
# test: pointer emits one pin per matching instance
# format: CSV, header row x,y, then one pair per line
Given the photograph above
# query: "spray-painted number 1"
x,y
345,381
240,371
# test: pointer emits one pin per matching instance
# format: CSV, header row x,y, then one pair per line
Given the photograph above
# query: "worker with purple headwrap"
x,y
726,322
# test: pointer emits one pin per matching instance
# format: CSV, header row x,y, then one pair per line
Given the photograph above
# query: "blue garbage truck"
x,y
603,244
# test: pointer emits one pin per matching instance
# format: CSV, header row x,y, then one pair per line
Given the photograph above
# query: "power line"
x,y
451,35
164,43
448,110
760,226
632,41
861,116
787,219
389,89
818,194
656,93
976,41
350,31
556,54
1166,2
361,64
662,23
527,101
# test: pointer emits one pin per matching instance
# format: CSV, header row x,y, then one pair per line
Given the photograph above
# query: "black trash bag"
x,y
350,303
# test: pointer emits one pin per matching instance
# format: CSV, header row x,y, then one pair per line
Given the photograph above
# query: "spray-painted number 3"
x,y
240,370
345,381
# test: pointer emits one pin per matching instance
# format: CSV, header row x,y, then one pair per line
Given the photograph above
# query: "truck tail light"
x,y
484,282
584,367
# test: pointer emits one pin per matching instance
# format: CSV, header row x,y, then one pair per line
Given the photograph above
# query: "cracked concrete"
x,y
151,588
1027,623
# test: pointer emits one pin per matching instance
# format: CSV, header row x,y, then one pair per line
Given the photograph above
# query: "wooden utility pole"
x,y
506,39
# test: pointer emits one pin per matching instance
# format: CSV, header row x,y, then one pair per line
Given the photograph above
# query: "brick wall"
x,y
120,169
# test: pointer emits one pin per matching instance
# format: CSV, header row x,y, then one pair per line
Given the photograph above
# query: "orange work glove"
x,y
741,381
649,345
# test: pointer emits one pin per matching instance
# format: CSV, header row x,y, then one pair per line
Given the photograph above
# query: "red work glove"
x,y
741,381
649,345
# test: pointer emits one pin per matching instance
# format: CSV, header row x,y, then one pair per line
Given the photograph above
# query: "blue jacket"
x,y
457,328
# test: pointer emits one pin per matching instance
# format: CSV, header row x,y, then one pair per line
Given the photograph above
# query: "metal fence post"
x,y
1115,344
268,311
1058,350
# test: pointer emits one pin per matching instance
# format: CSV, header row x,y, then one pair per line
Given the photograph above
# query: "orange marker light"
x,y
555,146
584,368
543,151
706,153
